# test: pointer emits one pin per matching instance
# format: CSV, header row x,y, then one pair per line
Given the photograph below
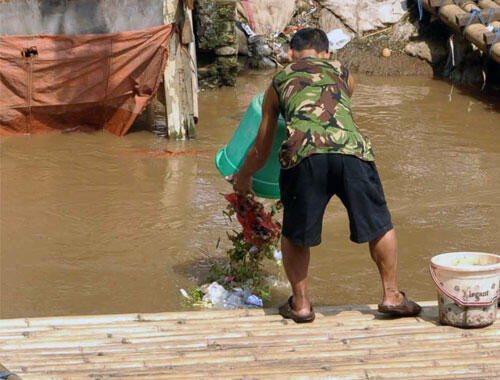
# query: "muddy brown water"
x,y
95,224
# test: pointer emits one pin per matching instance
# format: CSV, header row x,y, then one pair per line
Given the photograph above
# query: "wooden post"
x,y
194,66
178,78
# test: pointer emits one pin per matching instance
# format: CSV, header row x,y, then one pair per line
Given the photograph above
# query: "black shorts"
x,y
307,188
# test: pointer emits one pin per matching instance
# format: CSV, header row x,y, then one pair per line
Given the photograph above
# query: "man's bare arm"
x,y
350,84
257,155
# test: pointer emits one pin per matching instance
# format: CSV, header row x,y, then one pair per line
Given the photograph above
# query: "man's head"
x,y
308,42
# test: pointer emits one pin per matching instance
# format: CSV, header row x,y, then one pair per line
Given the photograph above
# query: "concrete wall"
x,y
78,16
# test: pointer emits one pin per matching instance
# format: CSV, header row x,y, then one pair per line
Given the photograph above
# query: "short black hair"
x,y
310,38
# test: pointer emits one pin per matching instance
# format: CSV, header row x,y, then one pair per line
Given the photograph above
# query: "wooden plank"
x,y
177,78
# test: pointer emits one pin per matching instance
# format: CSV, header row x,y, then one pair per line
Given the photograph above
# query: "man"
x,y
324,155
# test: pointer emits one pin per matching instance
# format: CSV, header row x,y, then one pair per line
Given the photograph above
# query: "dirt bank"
x,y
365,56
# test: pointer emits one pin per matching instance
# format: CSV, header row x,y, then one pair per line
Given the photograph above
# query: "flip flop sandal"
x,y
286,311
406,308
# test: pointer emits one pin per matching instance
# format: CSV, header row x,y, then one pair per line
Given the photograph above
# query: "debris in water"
x,y
254,300
241,283
386,52
185,294
164,153
277,255
215,294
258,226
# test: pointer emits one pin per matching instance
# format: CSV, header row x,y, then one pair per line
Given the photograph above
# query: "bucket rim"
x,y
474,268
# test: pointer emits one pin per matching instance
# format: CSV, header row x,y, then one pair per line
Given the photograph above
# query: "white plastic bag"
x,y
337,39
216,294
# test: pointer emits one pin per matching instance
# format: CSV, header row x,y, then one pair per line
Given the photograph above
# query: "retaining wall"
x,y
78,16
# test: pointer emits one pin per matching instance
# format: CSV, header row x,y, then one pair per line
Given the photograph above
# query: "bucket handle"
x,y
456,299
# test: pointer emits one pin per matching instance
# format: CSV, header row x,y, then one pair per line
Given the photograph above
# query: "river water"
x,y
95,224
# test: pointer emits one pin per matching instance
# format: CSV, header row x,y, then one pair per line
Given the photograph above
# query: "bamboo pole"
x,y
212,315
374,349
494,15
350,342
375,354
248,363
360,343
487,4
263,369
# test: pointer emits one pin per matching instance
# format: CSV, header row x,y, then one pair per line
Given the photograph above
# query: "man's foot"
x,y
405,308
286,311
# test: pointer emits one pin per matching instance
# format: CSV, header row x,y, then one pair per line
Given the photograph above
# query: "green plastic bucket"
x,y
231,157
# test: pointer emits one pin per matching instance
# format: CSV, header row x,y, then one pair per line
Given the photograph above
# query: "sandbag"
x,y
366,15
268,16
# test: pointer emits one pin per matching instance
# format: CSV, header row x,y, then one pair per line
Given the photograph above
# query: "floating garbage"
x,y
386,52
337,39
185,294
215,294
254,300
241,281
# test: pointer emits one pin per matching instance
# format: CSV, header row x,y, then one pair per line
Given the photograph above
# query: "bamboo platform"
x,y
461,19
350,342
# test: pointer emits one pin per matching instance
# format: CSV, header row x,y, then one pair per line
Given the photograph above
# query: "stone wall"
x,y
216,34
78,17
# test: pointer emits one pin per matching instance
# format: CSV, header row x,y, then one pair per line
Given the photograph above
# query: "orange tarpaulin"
x,y
83,82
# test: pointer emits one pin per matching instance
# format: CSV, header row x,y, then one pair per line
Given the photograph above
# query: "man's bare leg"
x,y
296,263
384,252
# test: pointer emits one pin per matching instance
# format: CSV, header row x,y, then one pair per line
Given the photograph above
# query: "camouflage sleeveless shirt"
x,y
314,101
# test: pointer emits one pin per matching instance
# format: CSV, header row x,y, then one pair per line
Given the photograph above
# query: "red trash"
x,y
258,226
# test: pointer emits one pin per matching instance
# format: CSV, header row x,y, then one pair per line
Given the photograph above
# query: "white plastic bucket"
x,y
468,287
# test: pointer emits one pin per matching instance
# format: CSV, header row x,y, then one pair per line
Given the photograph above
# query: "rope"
x,y
473,15
490,16
495,40
452,50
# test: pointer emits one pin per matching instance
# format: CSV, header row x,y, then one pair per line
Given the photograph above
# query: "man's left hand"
x,y
242,185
